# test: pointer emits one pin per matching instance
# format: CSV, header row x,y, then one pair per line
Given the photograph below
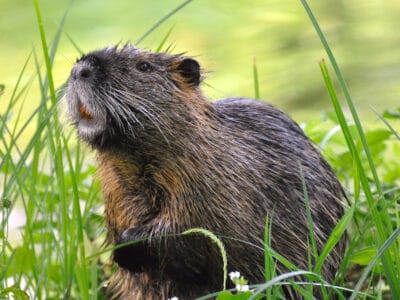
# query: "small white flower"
x,y
242,288
173,298
234,275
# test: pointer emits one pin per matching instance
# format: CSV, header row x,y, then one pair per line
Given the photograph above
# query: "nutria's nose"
x,y
82,71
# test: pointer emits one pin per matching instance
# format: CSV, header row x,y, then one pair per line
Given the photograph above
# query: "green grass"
x,y
49,178
380,216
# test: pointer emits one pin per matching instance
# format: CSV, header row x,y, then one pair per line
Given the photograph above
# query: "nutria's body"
x,y
170,160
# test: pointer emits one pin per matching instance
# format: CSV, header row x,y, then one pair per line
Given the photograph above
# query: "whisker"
x,y
146,108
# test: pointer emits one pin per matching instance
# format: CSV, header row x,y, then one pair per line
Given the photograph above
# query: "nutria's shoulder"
x,y
247,113
245,107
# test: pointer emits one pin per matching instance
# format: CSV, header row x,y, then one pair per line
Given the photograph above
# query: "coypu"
x,y
170,160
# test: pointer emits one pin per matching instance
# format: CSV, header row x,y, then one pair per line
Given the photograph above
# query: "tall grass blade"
x,y
309,216
161,45
57,37
81,269
45,52
14,96
346,92
382,220
162,20
394,132
313,252
387,260
334,237
71,40
392,238
269,264
255,79
55,147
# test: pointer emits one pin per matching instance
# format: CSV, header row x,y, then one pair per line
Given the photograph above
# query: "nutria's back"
x,y
169,160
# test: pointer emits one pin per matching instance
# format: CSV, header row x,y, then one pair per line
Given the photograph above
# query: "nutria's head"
x,y
130,96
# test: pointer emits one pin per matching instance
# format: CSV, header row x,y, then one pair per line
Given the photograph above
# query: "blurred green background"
x,y
225,36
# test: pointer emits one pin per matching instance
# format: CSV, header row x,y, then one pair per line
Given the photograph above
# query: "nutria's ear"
x,y
190,69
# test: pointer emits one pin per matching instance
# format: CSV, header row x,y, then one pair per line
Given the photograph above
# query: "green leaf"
x,y
390,241
16,292
225,295
22,260
364,257
391,114
377,136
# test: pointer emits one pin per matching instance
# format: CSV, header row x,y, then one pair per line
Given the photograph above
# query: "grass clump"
x,y
48,178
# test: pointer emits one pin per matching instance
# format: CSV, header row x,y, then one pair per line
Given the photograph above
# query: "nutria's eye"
x,y
144,66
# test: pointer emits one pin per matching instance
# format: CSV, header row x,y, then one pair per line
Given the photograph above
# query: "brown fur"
x,y
170,160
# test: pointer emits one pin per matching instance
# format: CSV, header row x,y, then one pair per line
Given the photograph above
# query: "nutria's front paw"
x,y
135,256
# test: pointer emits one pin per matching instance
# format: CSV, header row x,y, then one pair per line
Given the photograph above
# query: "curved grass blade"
x,y
262,287
220,245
